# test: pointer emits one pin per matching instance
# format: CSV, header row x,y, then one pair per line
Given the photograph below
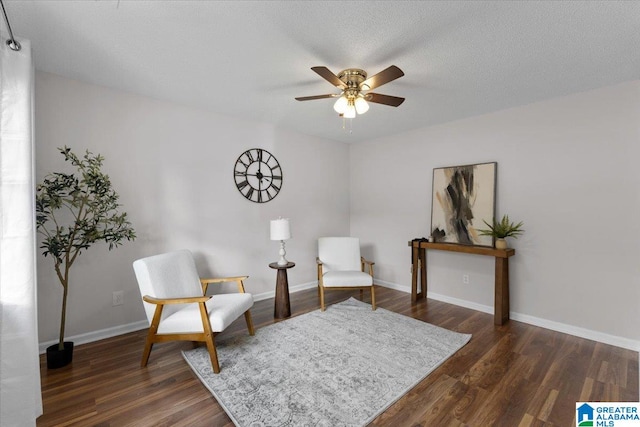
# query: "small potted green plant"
x,y
73,211
502,229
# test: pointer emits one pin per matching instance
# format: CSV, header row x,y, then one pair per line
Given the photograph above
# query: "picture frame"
x,y
463,197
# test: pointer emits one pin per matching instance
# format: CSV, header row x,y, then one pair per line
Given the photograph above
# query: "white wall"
x,y
173,168
567,167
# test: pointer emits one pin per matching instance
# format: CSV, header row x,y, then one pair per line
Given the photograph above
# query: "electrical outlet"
x,y
465,279
118,298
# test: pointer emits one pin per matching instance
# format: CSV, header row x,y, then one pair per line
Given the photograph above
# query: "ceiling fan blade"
x,y
385,76
378,98
326,74
309,98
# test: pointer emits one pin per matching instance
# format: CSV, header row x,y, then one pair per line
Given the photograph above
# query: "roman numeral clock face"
x,y
258,175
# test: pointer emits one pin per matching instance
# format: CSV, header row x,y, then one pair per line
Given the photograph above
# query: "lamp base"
x,y
282,253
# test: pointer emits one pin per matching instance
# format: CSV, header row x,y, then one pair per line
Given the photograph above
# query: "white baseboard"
x,y
292,289
143,324
525,318
531,320
578,331
390,285
98,335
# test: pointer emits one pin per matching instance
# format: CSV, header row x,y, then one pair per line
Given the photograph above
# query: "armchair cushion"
x,y
223,310
168,275
343,279
339,253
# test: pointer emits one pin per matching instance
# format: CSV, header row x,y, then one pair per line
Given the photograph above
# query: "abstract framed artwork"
x,y
463,197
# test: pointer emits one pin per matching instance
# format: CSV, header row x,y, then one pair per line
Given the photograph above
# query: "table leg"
x,y
423,273
414,274
501,303
282,307
418,273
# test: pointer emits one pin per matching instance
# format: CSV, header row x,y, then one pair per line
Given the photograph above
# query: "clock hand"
x,y
257,175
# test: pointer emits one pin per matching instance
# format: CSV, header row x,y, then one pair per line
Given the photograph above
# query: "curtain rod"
x,y
12,42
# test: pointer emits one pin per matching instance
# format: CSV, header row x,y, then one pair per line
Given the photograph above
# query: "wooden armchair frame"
x,y
207,336
363,262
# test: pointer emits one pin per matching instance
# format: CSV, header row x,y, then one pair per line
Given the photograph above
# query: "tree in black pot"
x,y
73,211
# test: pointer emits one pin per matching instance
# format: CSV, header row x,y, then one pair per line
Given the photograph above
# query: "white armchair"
x,y
177,307
340,266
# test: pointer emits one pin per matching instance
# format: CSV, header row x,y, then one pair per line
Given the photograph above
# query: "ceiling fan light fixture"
x,y
354,86
341,105
361,105
350,111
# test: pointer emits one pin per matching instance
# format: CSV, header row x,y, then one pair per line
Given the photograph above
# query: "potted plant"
x,y
501,230
73,211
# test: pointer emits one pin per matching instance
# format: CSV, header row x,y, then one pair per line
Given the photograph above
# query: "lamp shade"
x,y
341,105
350,112
280,229
361,106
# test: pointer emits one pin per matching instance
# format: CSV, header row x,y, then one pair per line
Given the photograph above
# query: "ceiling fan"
x,y
355,87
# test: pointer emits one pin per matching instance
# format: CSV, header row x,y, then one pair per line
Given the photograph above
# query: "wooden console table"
x,y
419,267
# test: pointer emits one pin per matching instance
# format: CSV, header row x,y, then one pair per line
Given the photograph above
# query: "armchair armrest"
x,y
161,302
238,279
319,264
363,261
185,300
223,279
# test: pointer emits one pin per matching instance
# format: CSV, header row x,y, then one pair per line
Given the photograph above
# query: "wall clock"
x,y
258,175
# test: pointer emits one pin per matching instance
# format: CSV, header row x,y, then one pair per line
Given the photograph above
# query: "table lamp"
x,y
280,230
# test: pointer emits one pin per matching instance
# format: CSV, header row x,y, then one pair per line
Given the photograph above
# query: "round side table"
x,y
282,307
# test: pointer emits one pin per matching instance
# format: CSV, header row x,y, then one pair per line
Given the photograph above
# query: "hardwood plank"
x,y
509,375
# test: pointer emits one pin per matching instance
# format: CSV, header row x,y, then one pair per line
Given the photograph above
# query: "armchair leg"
x,y
147,351
373,297
321,289
151,334
213,354
207,337
247,317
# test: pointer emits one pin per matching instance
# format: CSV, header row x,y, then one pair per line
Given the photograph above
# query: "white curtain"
x,y
20,395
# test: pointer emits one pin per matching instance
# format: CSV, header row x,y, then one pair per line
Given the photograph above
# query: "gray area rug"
x,y
341,367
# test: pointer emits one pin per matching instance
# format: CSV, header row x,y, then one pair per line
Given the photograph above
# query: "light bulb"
x,y
361,106
350,111
341,105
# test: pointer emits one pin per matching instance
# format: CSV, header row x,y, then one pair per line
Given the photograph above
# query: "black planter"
x,y
59,358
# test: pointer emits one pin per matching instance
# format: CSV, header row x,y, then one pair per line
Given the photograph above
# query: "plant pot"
x,y
501,244
59,358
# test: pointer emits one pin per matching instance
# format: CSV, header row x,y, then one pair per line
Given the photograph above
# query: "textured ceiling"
x,y
250,59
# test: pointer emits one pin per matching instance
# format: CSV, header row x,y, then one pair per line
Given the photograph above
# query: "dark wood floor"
x,y
513,375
